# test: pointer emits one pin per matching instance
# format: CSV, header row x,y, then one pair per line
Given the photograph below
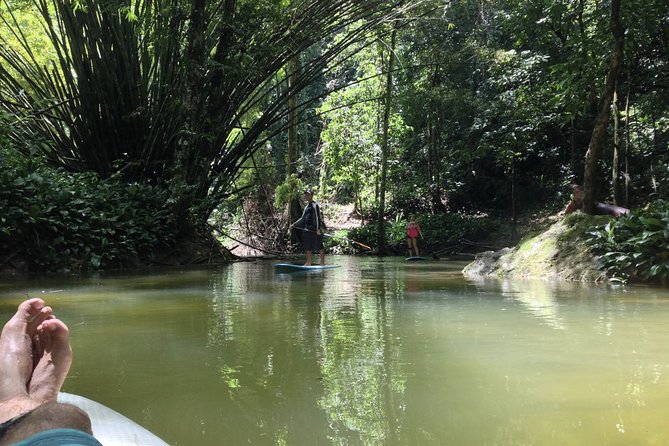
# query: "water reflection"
x,y
609,360
262,334
377,351
538,297
363,377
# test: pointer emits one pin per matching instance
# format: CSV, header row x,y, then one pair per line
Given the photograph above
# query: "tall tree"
x,y
616,161
598,138
434,144
384,143
179,94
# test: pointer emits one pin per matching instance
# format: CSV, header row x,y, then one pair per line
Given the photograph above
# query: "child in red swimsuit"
x,y
413,232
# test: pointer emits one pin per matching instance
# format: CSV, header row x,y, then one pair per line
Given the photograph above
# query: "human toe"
x,y
30,314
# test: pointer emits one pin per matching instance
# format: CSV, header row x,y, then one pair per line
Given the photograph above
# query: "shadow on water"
x,y
377,351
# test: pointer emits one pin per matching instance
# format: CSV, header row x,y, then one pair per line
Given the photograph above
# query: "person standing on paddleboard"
x,y
312,225
413,232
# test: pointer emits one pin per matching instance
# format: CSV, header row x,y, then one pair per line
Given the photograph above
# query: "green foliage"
x,y
351,148
364,234
452,228
636,245
509,99
160,91
492,103
54,221
290,189
438,230
32,41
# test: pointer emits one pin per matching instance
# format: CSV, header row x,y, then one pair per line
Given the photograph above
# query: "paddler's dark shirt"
x,y
310,217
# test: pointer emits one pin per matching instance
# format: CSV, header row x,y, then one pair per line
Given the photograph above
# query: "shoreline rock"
x,y
559,253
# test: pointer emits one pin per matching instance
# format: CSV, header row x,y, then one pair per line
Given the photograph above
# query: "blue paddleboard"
x,y
411,259
287,267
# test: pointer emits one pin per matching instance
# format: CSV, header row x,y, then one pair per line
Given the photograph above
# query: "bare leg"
x,y
309,255
46,417
321,253
16,358
414,242
410,247
35,357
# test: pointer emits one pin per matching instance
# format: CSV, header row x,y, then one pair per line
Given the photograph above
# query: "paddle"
x,y
336,236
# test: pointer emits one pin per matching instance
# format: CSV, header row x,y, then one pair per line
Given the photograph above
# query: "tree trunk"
x,y
188,183
598,138
615,162
294,207
653,179
627,148
434,141
514,219
381,231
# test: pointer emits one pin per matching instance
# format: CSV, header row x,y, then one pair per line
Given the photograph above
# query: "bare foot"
x,y
53,356
16,357
35,356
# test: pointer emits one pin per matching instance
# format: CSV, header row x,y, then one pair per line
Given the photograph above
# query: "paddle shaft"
x,y
336,236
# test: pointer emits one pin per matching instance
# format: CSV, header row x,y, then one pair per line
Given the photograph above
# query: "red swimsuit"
x,y
413,230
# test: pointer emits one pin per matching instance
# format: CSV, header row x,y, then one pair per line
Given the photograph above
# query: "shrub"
x,y
437,229
636,245
52,220
290,189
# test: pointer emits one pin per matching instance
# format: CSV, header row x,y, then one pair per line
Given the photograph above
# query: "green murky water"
x,y
377,352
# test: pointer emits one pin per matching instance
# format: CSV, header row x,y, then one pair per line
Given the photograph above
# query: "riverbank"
x,y
557,253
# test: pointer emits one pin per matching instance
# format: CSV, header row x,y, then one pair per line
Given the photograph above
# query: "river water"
x,y
376,352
